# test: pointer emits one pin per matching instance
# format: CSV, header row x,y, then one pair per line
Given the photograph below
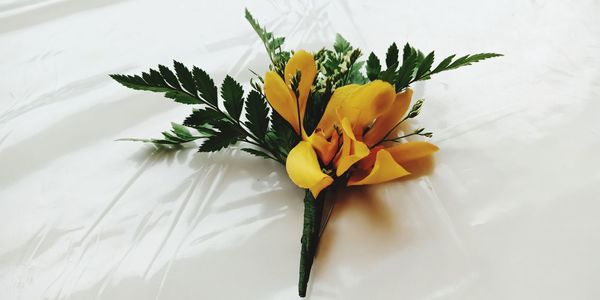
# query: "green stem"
x,y
313,210
396,139
271,156
389,132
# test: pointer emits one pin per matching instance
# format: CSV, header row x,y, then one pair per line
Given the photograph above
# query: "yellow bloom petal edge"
x,y
326,149
330,116
385,169
281,99
352,149
411,151
390,118
304,170
305,63
367,102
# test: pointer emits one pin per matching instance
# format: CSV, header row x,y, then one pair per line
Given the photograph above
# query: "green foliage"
x,y
264,128
338,67
425,65
355,75
218,128
178,134
206,86
373,67
226,134
202,117
162,82
272,44
257,114
341,45
281,137
233,96
185,76
416,66
391,57
314,110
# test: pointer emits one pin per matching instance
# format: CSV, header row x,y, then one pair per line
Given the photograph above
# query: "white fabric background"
x,y
508,209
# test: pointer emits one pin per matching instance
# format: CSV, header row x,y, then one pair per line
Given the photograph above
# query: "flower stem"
x,y
313,210
389,132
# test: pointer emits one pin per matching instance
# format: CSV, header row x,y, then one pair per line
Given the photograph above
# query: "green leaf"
x,y
341,45
389,75
276,43
154,78
164,81
272,44
444,64
406,72
205,85
470,59
391,57
178,135
181,131
227,135
280,138
138,83
185,77
169,77
373,67
201,117
407,52
420,56
173,138
181,97
283,135
154,85
315,107
261,32
257,113
232,94
449,64
355,75
425,65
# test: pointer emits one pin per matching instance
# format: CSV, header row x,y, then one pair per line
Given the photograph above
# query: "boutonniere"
x,y
329,117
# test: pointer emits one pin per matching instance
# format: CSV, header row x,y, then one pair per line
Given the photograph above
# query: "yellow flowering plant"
x,y
329,117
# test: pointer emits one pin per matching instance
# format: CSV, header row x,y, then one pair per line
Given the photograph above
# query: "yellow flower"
x,y
362,114
280,95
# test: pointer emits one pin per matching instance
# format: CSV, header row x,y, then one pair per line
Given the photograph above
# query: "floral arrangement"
x,y
331,118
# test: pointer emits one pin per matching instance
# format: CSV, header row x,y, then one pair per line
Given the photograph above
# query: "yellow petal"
x,y
384,169
305,63
390,118
281,99
326,149
304,170
330,116
352,149
411,151
368,162
367,103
